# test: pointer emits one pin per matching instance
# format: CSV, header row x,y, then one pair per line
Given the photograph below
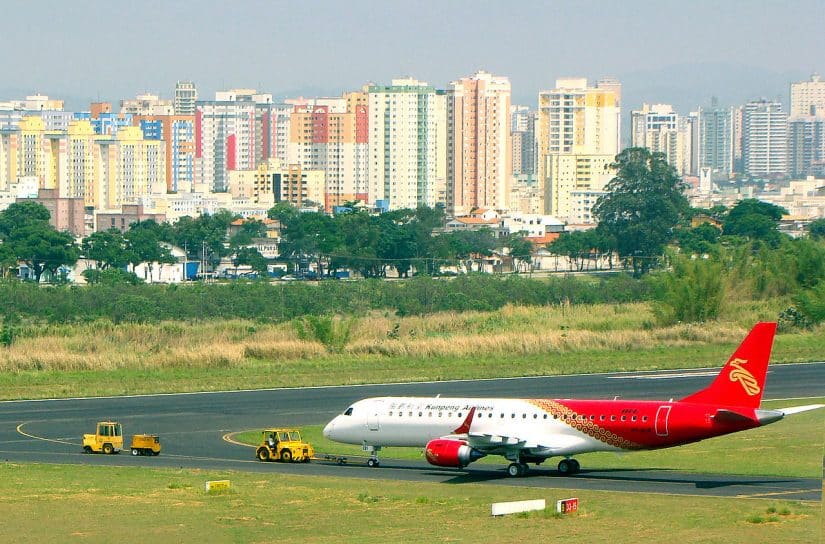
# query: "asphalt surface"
x,y
192,427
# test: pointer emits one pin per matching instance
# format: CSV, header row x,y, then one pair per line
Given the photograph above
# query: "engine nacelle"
x,y
445,452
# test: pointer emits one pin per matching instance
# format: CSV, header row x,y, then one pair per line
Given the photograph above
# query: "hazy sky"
x,y
664,51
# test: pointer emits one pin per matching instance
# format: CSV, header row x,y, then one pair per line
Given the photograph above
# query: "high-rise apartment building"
x,y
408,144
581,124
716,136
186,94
225,136
81,173
479,162
660,129
806,146
523,134
177,133
146,104
808,98
764,139
331,135
130,167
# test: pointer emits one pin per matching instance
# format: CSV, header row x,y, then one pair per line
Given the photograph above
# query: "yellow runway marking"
x,y
228,437
21,431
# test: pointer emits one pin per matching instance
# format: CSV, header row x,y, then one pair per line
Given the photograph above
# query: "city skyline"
x,y
736,51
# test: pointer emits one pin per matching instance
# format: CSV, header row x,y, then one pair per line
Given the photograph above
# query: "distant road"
x,y
192,425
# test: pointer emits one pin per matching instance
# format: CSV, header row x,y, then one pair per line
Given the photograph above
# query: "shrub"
x,y
332,332
692,292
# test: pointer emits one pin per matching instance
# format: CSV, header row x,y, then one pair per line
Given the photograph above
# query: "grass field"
x,y
45,503
791,447
81,503
101,358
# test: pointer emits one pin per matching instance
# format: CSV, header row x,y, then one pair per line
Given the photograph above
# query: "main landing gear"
x,y
517,469
568,466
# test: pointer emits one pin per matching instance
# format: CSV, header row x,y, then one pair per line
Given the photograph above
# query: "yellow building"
x,y
576,182
299,187
80,172
256,185
578,128
128,167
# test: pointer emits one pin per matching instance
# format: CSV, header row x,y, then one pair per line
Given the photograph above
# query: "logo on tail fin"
x,y
744,377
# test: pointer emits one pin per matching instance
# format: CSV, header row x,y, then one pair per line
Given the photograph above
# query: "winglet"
x,y
742,380
464,428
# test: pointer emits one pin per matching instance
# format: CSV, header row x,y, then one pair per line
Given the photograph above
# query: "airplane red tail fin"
x,y
741,381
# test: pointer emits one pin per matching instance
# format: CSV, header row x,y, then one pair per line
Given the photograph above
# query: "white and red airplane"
x,y
454,432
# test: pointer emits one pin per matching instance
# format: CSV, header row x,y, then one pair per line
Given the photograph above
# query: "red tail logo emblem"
x,y
744,377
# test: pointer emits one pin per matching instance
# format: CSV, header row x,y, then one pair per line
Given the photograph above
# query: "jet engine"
x,y
445,452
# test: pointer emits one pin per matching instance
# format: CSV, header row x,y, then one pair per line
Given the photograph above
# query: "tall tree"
x,y
755,220
43,248
817,229
20,214
644,202
108,249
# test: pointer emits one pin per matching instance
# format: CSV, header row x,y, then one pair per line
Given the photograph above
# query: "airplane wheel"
x,y
565,467
514,470
525,468
372,463
576,466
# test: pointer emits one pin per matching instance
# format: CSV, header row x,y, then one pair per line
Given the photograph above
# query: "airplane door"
x,y
662,415
372,418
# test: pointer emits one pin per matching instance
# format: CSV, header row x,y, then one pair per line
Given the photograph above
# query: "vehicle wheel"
x,y
565,467
514,470
135,452
372,463
107,449
87,449
286,456
156,452
263,454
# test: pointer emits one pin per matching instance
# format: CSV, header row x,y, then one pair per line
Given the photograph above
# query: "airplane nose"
x,y
328,429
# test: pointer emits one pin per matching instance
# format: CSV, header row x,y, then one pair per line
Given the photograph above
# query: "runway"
x,y
191,427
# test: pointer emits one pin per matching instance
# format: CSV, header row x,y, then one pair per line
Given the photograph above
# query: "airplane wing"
x,y
545,446
556,444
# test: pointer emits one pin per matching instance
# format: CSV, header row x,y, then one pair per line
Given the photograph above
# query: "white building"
x,y
765,139
407,144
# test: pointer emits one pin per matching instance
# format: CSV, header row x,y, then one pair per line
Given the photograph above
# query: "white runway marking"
x,y
663,376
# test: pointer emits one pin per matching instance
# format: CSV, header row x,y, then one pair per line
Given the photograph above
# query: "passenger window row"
x,y
566,417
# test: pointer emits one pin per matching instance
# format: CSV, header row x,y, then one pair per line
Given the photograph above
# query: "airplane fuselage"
x,y
555,427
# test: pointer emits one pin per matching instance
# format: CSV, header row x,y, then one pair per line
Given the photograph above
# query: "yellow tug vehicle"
x,y
108,438
284,445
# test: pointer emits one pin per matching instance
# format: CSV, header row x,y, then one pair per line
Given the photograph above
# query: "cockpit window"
x,y
348,412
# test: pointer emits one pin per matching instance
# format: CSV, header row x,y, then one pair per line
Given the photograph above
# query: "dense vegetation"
x,y
277,302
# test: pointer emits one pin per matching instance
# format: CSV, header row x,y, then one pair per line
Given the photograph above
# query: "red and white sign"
x,y
567,506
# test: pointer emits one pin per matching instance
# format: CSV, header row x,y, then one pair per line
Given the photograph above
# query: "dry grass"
x,y
228,344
